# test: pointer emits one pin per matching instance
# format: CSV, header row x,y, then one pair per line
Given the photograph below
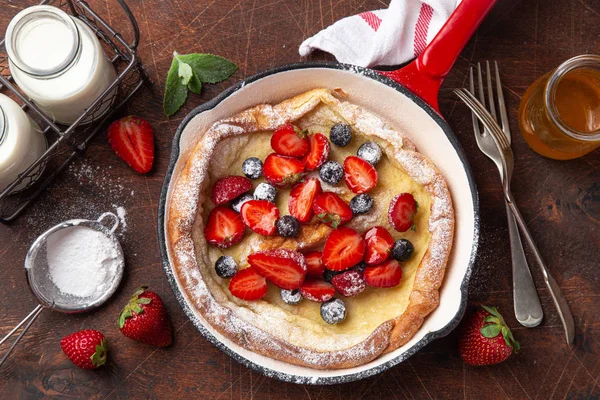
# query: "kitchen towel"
x,y
390,36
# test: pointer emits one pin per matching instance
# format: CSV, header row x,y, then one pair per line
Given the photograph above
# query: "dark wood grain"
x,y
559,200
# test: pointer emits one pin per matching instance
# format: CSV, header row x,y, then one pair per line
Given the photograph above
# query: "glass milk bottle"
x,y
21,143
58,62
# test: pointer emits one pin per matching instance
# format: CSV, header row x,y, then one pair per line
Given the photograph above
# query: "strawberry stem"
x,y
133,306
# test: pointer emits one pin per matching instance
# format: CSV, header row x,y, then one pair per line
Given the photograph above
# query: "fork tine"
x,y
480,84
473,116
492,107
502,104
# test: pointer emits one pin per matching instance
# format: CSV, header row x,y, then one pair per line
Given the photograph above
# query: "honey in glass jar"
x,y
559,114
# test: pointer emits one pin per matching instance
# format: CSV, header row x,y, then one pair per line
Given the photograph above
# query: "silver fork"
x,y
526,302
507,158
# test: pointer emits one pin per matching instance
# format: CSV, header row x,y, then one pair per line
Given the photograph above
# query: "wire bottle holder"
x,y
66,142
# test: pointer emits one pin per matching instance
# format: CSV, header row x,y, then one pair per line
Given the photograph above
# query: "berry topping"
x,y
224,227
88,349
385,275
331,172
361,203
333,311
360,176
292,297
285,268
329,274
261,216
360,267
226,267
252,168
402,211
319,151
132,139
402,250
317,290
340,135
302,197
228,188
343,249
239,201
289,140
349,283
331,209
288,226
314,264
265,191
282,171
379,245
248,285
370,152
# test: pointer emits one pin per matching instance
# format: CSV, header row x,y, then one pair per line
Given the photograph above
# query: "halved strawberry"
x,y
379,245
349,283
317,290
248,284
403,208
302,197
261,216
284,268
319,151
282,170
314,264
132,139
343,249
388,274
359,175
228,188
289,140
224,227
331,209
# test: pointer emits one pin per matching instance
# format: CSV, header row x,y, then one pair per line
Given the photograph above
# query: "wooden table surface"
x,y
559,200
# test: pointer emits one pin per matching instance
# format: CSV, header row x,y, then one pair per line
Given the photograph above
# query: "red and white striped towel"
x,y
383,37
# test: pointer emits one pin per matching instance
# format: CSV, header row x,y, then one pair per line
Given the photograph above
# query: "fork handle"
x,y
557,297
526,301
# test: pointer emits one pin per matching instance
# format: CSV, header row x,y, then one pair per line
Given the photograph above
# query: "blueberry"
x,y
239,201
265,191
226,267
360,267
370,152
402,250
361,203
340,135
331,172
333,311
288,226
252,168
292,297
329,274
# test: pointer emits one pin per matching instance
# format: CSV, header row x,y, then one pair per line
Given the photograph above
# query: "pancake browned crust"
x,y
249,325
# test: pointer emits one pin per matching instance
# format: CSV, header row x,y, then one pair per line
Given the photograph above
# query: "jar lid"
x,y
42,41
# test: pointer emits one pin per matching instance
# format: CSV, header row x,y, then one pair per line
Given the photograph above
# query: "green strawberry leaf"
x,y
101,354
175,92
185,72
490,330
195,85
208,67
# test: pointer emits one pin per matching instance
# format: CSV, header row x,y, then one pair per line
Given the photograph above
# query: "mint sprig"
x,y
188,72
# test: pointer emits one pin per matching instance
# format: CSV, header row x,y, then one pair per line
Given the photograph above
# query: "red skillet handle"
x,y
425,75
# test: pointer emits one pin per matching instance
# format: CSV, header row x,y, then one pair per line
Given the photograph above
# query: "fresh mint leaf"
x,y
185,72
195,85
175,92
208,67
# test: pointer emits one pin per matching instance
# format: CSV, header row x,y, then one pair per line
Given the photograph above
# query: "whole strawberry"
x,y
87,349
486,339
145,319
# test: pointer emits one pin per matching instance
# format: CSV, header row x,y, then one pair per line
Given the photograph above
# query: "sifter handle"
x,y
29,319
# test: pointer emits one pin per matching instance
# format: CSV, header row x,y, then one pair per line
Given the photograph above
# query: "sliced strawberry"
x,y
282,170
224,227
302,197
379,245
314,264
261,216
317,290
331,209
228,188
248,285
289,140
132,139
284,268
349,283
388,274
359,175
403,208
319,151
343,249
